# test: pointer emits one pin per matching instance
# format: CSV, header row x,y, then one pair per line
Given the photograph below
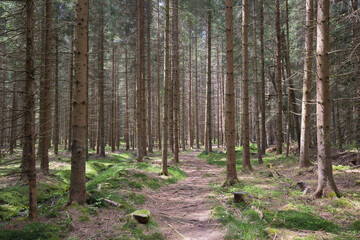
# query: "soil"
x,y
184,210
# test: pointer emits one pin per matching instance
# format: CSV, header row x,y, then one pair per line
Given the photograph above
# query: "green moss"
x,y
293,219
340,168
248,226
355,226
38,231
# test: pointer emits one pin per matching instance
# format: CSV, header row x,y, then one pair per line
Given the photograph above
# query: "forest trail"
x,y
184,210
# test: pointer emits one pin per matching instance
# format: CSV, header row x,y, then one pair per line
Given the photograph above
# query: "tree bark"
x,y
325,174
158,77
101,112
245,87
175,72
190,125
197,96
28,154
70,92
257,95
208,100
355,42
56,114
263,103
306,107
79,144
166,90
127,125
279,139
149,78
45,95
231,176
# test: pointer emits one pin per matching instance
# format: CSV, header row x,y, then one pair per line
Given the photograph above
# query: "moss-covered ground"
x,y
116,178
277,208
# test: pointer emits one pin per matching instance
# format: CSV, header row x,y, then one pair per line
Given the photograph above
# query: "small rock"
x,y
142,216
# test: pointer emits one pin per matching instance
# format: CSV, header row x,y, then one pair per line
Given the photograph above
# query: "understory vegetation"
x,y
116,179
277,208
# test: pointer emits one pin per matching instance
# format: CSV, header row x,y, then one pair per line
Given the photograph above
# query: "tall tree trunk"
x,y
325,174
127,125
166,89
292,97
140,97
257,95
175,72
45,95
113,103
355,42
70,92
231,176
158,77
79,145
197,96
306,107
28,154
183,100
262,56
279,139
56,114
13,114
208,101
245,87
149,78
101,112
190,125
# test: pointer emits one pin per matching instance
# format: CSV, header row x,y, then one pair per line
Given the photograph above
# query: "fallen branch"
x,y
176,230
112,202
354,167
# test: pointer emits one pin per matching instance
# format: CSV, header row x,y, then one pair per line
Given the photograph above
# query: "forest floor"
x,y
184,210
189,204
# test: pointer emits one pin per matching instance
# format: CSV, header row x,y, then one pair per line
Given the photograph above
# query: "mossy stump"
x,y
142,216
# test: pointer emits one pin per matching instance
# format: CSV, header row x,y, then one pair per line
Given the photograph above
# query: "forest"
x,y
168,119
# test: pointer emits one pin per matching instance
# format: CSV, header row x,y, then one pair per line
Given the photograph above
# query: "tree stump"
x,y
240,197
142,216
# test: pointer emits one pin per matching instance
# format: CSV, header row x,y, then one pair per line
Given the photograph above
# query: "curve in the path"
x,y
184,209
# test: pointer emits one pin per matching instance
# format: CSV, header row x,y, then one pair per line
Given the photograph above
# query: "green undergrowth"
x,y
277,207
35,231
131,229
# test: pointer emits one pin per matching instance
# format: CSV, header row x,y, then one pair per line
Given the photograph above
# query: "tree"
x,y
190,125
166,90
305,115
257,95
231,176
79,145
101,123
45,95
208,145
149,78
356,41
175,76
279,138
325,174
56,113
70,91
158,76
245,87
140,82
262,55
28,154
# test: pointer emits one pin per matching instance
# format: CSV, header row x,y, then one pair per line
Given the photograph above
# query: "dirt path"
x,y
183,210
